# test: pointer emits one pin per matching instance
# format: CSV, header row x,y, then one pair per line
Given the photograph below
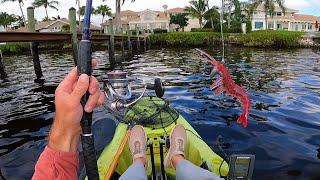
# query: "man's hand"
x,y
65,131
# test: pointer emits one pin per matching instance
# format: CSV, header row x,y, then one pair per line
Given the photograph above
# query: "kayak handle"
x,y
158,87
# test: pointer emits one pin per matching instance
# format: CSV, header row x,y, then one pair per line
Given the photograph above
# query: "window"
x,y
303,26
148,16
279,13
270,25
279,26
163,25
258,25
255,12
309,26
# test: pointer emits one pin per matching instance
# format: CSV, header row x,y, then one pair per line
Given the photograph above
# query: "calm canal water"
x,y
284,121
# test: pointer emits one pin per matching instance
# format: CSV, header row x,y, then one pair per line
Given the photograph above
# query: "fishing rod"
x,y
84,67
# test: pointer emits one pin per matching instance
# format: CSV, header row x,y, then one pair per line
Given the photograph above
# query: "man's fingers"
x,y
101,99
94,85
92,102
81,87
69,81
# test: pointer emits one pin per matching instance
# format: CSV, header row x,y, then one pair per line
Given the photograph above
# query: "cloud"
x,y
297,4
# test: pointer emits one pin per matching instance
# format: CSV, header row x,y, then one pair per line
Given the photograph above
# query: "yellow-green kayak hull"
x,y
196,151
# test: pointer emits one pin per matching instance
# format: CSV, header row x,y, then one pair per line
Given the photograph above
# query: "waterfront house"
x,y
150,20
2,29
291,20
58,25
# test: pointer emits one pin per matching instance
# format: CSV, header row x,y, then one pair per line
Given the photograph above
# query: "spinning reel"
x,y
118,91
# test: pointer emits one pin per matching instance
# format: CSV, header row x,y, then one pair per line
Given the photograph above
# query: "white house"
x,y
54,26
150,20
2,29
192,22
290,20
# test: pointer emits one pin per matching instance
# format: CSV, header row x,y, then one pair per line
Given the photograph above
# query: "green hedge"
x,y
14,47
157,31
202,30
253,39
269,38
185,38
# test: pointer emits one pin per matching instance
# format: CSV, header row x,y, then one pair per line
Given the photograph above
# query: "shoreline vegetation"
x,y
264,38
259,39
11,48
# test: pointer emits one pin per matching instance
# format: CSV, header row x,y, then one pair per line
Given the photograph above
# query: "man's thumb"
x,y
81,87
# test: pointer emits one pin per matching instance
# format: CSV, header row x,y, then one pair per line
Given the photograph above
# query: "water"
x,y
284,121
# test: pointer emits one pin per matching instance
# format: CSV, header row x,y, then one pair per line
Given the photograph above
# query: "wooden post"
x,y
111,43
73,31
138,40
129,37
34,45
3,74
144,39
122,46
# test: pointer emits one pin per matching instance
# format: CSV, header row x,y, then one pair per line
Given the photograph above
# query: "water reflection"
x,y
284,120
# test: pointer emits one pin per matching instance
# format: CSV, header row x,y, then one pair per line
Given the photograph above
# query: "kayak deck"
x,y
196,151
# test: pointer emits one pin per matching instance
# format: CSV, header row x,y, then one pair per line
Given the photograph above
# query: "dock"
x,y
128,41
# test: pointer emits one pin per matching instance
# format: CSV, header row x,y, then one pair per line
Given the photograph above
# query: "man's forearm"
x,y
63,139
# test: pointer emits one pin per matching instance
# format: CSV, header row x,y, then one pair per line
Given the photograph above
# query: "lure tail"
x,y
242,119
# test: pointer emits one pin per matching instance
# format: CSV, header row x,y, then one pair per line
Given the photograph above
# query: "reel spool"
x,y
118,91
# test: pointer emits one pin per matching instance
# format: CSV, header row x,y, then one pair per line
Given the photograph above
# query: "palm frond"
x,y
53,7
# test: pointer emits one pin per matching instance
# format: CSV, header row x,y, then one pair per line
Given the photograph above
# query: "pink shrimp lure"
x,y
226,84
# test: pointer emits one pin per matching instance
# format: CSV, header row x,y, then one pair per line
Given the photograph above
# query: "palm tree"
x,y
55,18
212,16
81,13
79,16
6,19
46,4
83,10
269,7
197,9
19,20
229,6
103,10
46,19
20,5
118,10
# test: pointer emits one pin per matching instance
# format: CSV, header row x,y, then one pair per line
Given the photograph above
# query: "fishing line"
x,y
221,28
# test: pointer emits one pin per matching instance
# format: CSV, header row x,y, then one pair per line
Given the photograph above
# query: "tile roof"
x,y
176,10
46,24
277,8
306,18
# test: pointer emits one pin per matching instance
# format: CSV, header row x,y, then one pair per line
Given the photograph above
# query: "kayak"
x,y
158,119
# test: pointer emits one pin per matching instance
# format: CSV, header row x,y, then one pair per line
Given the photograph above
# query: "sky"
x,y
311,7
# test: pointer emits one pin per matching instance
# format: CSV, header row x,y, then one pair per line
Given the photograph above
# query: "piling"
x,y
138,39
111,43
3,74
144,40
34,45
122,46
129,38
73,31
